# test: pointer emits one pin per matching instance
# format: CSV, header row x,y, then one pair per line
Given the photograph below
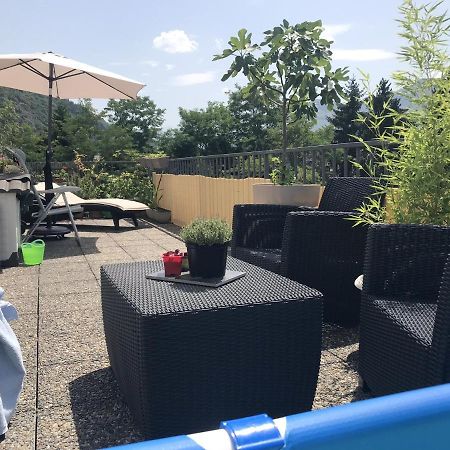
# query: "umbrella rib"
x,y
66,74
16,64
33,69
107,84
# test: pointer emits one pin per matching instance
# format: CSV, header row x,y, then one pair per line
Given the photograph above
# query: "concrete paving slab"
x,y
70,286
70,302
84,344
54,384
21,432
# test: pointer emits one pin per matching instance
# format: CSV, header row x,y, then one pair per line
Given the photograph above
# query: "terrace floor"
x,y
70,399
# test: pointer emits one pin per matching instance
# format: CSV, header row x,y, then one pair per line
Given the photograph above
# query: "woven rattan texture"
x,y
320,248
258,286
405,312
324,250
186,357
346,193
259,226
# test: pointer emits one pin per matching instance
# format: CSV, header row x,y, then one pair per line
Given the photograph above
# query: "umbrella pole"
x,y
48,154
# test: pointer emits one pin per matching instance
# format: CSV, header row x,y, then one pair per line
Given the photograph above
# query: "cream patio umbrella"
x,y
57,76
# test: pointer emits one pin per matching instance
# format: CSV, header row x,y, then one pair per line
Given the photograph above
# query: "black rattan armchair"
x,y
317,247
405,311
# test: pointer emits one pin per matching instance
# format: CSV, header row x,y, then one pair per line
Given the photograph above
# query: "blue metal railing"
x,y
414,420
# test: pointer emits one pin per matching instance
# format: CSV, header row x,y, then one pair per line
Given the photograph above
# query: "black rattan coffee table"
x,y
186,357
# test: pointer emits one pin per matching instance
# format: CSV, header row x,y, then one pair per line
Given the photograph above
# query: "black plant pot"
x,y
207,261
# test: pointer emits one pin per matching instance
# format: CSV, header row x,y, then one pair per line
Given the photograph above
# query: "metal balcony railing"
x,y
313,164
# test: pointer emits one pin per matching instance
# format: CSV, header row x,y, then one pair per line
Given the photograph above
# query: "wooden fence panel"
x,y
191,196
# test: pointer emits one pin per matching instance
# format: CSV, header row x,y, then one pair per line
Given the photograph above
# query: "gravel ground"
x,y
70,399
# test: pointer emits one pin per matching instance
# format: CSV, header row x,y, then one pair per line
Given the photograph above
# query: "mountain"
x,y
323,112
33,108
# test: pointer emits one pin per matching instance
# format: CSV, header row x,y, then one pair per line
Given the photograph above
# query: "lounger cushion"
x,y
73,199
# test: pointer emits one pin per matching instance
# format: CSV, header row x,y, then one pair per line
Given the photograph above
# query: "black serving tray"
x,y
185,278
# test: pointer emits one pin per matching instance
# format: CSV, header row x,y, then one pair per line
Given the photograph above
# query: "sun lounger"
x,y
119,208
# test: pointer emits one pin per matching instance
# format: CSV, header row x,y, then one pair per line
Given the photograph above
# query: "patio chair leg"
x,y
363,385
40,218
116,222
135,221
72,220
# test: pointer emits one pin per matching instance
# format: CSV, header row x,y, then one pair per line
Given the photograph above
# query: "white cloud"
x,y
175,41
191,79
361,54
219,43
331,31
170,66
150,62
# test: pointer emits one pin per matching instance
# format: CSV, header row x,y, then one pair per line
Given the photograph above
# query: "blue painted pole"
x,y
171,443
414,420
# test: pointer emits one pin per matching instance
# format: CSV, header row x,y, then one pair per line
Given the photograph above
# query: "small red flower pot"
x,y
172,265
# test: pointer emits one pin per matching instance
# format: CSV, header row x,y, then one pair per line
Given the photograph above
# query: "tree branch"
x,y
280,75
292,95
268,86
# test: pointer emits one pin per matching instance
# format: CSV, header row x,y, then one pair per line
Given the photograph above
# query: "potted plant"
x,y
155,212
290,69
284,190
207,241
156,161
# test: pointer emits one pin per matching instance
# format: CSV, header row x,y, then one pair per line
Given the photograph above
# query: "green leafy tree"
x,y
15,133
324,135
83,131
176,144
384,104
292,70
114,141
253,119
346,114
301,134
60,137
210,130
140,117
10,128
32,143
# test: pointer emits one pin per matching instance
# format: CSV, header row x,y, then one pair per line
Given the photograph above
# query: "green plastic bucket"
x,y
33,252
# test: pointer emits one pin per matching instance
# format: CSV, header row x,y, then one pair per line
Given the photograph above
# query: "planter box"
x,y
296,194
159,215
155,163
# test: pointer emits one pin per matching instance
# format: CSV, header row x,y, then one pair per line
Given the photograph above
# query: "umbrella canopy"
x,y
70,79
57,76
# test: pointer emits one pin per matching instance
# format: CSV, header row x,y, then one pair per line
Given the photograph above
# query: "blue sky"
x,y
169,45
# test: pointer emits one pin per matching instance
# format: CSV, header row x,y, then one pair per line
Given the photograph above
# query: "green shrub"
x,y
12,169
281,174
158,154
7,165
134,185
413,171
96,182
206,232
